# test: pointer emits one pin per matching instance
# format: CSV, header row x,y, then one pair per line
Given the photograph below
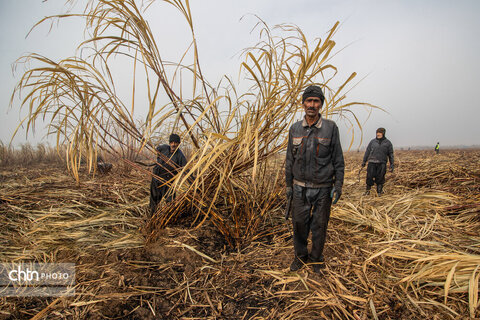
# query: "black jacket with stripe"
x,y
314,154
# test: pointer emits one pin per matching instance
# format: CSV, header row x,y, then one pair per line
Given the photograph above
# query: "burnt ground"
x,y
192,273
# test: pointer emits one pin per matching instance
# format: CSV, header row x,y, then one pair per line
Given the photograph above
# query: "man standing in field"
x,y
170,160
437,148
314,170
376,154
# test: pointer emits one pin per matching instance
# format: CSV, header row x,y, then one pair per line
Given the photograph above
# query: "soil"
x,y
192,273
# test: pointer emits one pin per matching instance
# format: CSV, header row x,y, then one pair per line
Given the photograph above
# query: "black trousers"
x,y
376,173
310,212
157,191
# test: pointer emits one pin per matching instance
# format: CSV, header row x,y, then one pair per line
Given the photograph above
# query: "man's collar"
x,y
317,124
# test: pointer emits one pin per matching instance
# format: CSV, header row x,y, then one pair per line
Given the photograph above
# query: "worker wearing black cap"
x,y
170,160
378,150
314,171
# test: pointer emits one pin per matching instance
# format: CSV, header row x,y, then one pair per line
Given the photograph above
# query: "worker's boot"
x,y
296,264
319,265
379,189
367,191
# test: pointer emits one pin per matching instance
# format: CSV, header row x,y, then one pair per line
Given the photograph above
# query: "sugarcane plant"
x,y
234,175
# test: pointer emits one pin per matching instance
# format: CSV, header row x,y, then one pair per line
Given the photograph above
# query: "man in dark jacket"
x,y
378,150
314,163
170,160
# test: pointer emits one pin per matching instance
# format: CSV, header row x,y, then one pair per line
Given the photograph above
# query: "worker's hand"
x,y
335,194
392,167
363,164
289,192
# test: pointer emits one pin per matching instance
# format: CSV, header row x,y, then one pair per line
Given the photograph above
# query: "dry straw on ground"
x,y
221,249
410,254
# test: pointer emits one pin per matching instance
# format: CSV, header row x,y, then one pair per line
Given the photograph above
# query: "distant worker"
x,y
314,171
376,154
437,148
170,160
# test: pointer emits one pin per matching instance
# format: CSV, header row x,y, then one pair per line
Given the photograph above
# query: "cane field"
x,y
412,253
221,249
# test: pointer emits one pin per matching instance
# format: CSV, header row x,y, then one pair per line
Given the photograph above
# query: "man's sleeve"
x,y
367,152
289,161
337,159
390,154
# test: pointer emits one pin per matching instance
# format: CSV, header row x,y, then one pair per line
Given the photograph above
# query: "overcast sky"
x,y
421,57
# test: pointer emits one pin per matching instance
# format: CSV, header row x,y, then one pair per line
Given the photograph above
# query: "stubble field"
x,y
413,253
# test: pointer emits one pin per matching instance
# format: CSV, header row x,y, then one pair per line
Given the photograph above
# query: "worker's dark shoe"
x,y
317,263
380,189
318,266
367,191
297,264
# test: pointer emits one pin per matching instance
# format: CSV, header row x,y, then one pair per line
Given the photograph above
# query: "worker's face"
x,y
379,135
174,146
312,106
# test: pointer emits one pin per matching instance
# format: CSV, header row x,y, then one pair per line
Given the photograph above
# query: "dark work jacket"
x,y
166,169
378,150
314,154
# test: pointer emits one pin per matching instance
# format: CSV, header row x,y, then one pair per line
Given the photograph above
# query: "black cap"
x,y
174,138
381,130
313,91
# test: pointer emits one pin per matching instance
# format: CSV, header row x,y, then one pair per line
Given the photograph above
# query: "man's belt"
x,y
311,185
